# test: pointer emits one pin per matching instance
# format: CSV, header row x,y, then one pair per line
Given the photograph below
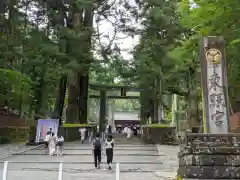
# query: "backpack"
x,y
109,144
97,144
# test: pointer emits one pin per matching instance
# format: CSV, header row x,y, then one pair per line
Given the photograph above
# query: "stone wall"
x,y
158,135
13,128
14,134
210,156
14,121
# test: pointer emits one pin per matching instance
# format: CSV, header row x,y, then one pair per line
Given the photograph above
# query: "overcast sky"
x,y
129,43
126,43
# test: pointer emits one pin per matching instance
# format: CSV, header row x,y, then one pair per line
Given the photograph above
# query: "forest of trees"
x,y
52,49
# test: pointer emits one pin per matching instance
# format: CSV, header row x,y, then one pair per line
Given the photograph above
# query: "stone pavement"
x,y
137,162
8,149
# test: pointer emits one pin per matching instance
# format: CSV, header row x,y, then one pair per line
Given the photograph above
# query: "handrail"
x,y
5,170
60,171
117,171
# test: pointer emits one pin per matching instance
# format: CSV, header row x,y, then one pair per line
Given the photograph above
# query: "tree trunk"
x,y
78,89
142,109
83,99
157,101
2,16
3,90
58,109
146,105
192,113
72,112
155,110
84,78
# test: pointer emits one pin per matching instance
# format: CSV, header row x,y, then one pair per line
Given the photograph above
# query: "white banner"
x,y
43,126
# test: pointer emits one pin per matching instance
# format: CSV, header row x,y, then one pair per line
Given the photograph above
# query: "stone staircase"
x,y
122,139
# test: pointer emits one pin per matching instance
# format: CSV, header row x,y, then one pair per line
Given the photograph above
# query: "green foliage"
x,y
154,67
37,51
15,84
213,18
4,140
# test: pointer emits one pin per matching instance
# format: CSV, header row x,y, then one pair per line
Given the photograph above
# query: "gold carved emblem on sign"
x,y
214,56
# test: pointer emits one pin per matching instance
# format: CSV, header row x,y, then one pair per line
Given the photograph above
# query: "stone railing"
x,y
210,156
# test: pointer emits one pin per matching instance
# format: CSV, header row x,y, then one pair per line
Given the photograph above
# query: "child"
x,y
59,145
97,150
109,151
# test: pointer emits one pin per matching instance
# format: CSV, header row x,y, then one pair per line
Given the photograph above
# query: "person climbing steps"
x,y
97,150
109,150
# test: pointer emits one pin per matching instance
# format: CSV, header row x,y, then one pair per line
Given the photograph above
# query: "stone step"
x,y
102,174
89,152
84,167
82,159
116,148
78,144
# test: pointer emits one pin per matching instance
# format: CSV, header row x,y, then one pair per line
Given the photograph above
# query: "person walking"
x,y
82,134
109,150
49,131
135,130
46,143
125,130
59,145
52,144
97,150
90,136
109,130
129,132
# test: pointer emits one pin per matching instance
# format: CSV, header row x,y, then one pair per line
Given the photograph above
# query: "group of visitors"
x,y
129,130
97,150
53,144
98,142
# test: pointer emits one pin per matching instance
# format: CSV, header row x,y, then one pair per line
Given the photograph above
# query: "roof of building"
x,y
123,116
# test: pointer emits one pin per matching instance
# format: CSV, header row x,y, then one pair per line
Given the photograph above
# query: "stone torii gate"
x,y
103,89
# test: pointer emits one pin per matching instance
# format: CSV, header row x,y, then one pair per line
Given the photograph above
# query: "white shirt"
x,y
125,130
129,131
82,131
47,138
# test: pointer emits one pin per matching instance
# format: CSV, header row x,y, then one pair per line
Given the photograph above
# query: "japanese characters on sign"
x,y
216,97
